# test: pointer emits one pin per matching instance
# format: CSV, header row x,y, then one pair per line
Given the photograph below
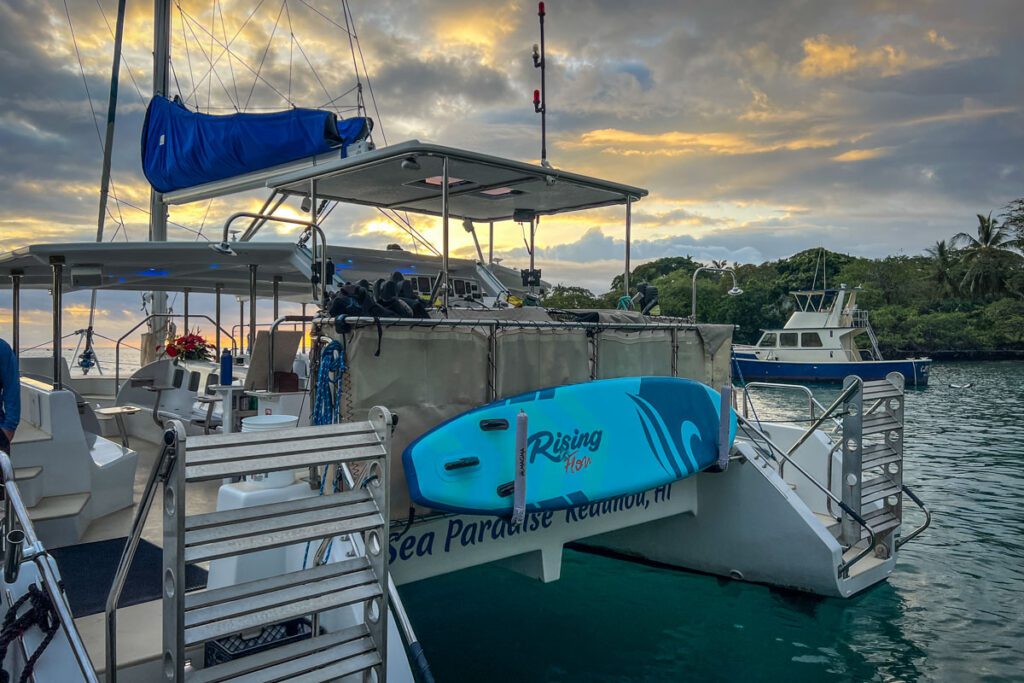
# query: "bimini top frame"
x,y
429,179
407,177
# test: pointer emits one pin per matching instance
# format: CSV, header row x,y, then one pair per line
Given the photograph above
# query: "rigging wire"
x,y
265,51
188,55
192,23
231,64
213,27
124,60
92,109
226,47
81,69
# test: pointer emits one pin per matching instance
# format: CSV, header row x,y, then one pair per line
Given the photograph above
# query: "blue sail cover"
x,y
182,148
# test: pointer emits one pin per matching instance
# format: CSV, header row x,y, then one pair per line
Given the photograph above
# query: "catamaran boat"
x,y
254,519
819,343
155,531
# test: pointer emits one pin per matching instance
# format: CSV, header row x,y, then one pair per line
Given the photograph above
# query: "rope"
x,y
40,613
326,410
328,394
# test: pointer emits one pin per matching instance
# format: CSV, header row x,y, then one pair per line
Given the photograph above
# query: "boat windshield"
x,y
768,339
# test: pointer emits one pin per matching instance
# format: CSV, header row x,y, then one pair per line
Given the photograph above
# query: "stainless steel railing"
x,y
161,467
901,541
812,402
15,513
152,316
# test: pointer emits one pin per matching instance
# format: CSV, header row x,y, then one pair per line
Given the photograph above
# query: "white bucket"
x,y
270,423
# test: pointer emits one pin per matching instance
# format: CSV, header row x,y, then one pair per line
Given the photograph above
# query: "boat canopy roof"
x,y
407,177
174,266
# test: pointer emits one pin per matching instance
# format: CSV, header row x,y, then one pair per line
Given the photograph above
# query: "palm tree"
x,y
943,264
987,256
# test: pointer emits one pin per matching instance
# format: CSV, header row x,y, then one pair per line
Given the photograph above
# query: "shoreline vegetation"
x,y
961,300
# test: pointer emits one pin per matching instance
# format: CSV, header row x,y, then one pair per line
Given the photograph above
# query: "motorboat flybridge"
x,y
241,575
820,344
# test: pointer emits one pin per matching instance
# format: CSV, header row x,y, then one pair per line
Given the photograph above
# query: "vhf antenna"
x,y
540,97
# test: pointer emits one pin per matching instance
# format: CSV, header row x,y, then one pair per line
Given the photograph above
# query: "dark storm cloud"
x,y
871,127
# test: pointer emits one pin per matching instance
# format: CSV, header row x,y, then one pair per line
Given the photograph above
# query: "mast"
x,y
157,208
108,145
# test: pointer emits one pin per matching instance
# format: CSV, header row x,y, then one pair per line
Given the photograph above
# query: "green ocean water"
x,y
952,611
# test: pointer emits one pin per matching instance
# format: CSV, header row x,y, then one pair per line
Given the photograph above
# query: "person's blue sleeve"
x,y
11,388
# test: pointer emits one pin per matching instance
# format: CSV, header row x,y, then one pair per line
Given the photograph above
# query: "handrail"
x,y
315,230
238,326
416,653
159,473
270,346
15,511
665,323
927,518
853,388
811,401
844,568
151,316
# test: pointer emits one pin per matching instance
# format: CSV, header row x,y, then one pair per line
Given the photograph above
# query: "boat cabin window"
x,y
810,340
768,340
788,340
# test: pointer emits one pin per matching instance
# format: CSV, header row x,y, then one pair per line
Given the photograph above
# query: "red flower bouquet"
x,y
190,347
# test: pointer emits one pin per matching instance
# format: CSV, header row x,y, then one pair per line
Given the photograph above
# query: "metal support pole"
x,y
315,230
57,262
540,100
533,251
216,314
16,311
252,306
303,328
277,294
185,307
157,207
444,232
490,246
241,326
629,227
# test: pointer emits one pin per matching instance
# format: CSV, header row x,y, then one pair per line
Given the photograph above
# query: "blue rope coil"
x,y
327,409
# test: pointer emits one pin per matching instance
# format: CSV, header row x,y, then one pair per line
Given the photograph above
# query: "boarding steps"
x,y
872,476
193,619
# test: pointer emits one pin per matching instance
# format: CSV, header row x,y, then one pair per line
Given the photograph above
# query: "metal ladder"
x,y
872,443
196,618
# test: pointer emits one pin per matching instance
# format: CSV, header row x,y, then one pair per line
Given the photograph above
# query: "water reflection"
x,y
951,610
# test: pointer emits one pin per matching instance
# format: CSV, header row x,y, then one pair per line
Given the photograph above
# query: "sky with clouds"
x,y
760,127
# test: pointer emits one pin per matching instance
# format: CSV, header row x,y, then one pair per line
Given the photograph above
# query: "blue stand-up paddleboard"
x,y
584,443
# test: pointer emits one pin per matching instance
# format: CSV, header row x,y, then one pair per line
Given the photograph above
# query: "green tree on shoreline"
x,y
987,256
943,264
917,303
